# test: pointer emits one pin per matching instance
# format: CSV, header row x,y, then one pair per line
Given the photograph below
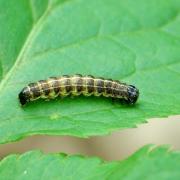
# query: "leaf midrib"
x,y
29,39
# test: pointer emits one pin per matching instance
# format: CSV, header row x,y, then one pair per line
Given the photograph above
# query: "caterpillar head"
x,y
133,94
24,96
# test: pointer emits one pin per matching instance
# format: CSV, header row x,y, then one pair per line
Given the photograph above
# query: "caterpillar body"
x,y
76,85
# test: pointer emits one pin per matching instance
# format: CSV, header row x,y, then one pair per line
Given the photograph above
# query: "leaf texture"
x,y
137,42
147,163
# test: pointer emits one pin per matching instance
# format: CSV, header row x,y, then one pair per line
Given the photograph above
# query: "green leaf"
x,y
134,41
147,163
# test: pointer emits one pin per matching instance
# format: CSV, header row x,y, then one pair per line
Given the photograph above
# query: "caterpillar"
x,y
76,85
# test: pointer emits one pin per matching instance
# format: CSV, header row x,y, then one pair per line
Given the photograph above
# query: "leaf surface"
x,y
148,162
137,42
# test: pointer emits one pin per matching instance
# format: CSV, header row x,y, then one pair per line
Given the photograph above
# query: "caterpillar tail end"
x,y
133,94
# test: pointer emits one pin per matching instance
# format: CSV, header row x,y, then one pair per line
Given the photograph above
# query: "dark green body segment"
x,y
75,85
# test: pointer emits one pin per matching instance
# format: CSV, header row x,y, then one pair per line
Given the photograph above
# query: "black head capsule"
x,y
24,96
133,94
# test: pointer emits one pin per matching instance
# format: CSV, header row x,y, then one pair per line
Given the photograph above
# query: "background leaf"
x,y
134,41
148,162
